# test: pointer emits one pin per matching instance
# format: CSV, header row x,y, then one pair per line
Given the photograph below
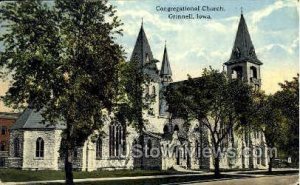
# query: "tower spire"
x,y
142,50
142,54
243,48
166,72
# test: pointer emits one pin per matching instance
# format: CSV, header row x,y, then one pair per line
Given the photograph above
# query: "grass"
x,y
168,180
15,175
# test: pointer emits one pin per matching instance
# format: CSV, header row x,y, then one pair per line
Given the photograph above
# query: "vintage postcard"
x,y
149,92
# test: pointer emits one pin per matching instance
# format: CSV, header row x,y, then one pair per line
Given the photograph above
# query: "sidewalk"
x,y
108,179
236,173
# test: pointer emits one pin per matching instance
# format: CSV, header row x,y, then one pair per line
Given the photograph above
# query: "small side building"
x,y
34,145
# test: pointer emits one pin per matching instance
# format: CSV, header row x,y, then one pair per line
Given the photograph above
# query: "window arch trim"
x,y
39,150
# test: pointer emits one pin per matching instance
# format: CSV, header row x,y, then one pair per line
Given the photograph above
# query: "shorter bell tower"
x,y
243,63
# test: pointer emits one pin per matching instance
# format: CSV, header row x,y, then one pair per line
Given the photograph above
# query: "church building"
x,y
34,145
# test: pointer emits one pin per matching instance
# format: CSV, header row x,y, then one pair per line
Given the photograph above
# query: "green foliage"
x,y
287,101
268,119
31,52
214,101
133,83
64,61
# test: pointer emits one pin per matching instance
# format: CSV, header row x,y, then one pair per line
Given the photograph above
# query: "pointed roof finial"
x,y
165,43
241,10
142,21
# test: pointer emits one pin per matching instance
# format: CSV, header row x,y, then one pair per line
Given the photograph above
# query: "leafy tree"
x,y
134,82
136,102
287,100
64,61
212,100
269,119
277,117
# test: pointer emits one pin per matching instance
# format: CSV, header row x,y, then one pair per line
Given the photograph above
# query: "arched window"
x,y
2,144
39,150
168,150
16,147
135,147
149,147
117,140
99,148
253,72
184,151
237,72
252,51
166,129
112,140
237,53
147,90
176,128
147,58
153,90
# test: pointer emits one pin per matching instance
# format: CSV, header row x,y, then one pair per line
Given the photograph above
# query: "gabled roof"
x,y
31,119
243,48
165,67
142,54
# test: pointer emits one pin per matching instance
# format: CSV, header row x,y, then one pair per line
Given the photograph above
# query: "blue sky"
x,y
196,44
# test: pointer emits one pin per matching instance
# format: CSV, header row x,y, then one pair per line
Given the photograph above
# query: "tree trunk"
x,y
68,167
68,155
217,167
271,164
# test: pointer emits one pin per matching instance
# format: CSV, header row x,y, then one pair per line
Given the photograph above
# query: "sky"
x,y
196,44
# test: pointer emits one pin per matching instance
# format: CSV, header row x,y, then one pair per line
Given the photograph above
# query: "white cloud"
x,y
257,16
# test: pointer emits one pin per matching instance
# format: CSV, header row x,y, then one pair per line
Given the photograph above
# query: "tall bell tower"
x,y
243,63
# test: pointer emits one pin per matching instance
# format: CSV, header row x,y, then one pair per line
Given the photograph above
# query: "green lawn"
x,y
168,180
14,175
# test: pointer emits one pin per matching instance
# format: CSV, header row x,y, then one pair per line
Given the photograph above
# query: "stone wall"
x,y
12,161
51,139
153,161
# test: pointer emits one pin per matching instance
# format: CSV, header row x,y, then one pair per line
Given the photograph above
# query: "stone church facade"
x,y
34,145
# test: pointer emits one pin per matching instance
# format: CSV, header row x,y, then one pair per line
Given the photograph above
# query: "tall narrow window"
x,y
184,151
2,144
147,90
149,147
16,147
197,149
135,148
117,140
147,58
253,72
112,140
153,91
39,151
124,140
3,130
99,148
